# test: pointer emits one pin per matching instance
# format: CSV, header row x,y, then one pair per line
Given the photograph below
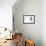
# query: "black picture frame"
x,y
32,21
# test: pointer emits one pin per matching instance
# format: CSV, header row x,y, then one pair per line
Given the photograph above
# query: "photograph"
x,y
22,22
29,19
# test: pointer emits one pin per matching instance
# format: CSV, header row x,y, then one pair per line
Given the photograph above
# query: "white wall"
x,y
31,31
6,13
43,22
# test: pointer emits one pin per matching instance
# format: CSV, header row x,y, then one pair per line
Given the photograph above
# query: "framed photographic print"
x,y
28,19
